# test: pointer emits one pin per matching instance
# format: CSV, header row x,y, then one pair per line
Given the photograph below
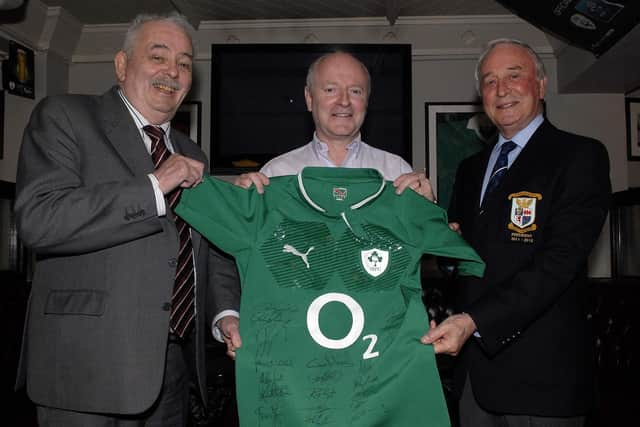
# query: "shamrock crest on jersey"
x,y
374,261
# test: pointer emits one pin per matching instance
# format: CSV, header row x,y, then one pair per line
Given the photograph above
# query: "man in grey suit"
x,y
99,347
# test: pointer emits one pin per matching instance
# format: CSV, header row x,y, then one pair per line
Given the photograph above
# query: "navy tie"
x,y
183,298
499,169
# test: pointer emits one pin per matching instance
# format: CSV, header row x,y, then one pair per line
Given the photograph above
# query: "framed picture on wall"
x,y
632,108
187,120
454,132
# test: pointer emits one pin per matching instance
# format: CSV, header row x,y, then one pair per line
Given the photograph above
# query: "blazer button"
x,y
172,262
166,306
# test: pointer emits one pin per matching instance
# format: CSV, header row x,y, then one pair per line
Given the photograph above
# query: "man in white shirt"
x,y
337,95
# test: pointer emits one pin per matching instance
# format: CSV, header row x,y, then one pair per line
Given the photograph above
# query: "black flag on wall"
x,y
594,25
18,71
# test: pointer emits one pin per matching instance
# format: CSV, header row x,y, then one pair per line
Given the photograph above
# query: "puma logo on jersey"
x,y
290,249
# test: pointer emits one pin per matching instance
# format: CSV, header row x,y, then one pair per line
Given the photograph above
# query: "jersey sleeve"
x,y
431,227
227,215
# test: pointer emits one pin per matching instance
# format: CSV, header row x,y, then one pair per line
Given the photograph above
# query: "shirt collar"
x,y
521,138
141,122
322,147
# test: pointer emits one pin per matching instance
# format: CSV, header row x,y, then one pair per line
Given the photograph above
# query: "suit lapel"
x,y
479,172
476,168
533,157
127,141
124,134
183,145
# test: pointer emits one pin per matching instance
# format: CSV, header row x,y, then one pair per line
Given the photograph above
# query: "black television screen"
x,y
258,109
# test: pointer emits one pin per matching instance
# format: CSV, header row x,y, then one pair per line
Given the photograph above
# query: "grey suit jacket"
x,y
98,317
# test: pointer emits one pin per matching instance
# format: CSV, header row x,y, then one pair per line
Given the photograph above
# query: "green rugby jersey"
x,y
331,312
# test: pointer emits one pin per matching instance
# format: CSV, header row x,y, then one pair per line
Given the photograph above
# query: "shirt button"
x,y
166,306
172,262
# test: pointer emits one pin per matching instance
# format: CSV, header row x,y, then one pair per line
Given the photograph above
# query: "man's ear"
x,y
543,87
120,62
307,97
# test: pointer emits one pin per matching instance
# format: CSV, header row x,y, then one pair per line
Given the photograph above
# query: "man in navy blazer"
x,y
522,333
97,348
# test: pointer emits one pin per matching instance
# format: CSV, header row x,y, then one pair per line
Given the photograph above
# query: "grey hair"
x,y
314,65
541,73
143,18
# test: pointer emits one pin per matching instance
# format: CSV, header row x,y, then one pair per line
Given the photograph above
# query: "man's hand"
x,y
252,178
449,336
417,181
179,171
454,226
230,328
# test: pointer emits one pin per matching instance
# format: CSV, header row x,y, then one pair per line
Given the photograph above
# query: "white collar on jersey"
x,y
354,206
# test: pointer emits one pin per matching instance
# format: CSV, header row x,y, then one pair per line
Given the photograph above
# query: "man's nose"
x,y
344,98
503,87
172,69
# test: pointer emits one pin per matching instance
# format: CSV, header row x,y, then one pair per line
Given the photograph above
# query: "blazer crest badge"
x,y
523,212
374,261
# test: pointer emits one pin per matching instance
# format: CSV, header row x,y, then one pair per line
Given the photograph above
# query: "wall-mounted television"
x,y
258,109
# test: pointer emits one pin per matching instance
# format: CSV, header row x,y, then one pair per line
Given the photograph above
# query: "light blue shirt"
x,y
520,139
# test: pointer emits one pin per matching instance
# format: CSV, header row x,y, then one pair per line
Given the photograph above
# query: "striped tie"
x,y
183,298
500,168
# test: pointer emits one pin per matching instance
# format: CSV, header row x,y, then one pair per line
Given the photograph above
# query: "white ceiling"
x,y
119,11
618,70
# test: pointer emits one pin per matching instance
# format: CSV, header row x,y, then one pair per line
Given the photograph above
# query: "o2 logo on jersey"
x,y
357,324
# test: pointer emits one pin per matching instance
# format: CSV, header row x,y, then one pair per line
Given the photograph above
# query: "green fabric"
x,y
456,141
285,376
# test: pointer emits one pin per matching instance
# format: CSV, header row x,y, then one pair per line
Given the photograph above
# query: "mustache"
x,y
166,83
